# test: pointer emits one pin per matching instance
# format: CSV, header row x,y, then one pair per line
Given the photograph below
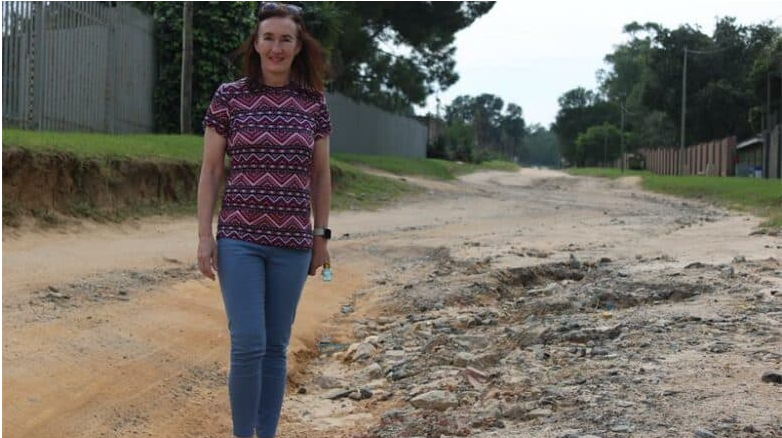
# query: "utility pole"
x,y
605,145
186,92
684,112
622,137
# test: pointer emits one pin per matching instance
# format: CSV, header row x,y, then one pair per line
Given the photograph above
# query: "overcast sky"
x,y
530,53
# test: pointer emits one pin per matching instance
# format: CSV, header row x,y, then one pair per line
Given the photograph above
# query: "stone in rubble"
x,y
518,411
463,358
327,382
360,394
772,377
593,333
360,351
704,433
574,262
372,371
437,400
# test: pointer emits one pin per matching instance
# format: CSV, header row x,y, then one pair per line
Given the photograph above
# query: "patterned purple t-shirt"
x,y
270,135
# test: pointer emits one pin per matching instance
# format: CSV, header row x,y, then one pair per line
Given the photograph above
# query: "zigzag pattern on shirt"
x,y
268,179
271,223
288,203
265,137
269,158
281,100
265,239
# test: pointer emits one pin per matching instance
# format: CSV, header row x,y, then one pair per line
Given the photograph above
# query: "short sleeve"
x,y
217,115
322,119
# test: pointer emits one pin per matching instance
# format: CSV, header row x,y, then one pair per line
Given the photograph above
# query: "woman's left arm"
x,y
320,199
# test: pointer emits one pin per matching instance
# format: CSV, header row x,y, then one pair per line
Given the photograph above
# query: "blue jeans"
x,y
261,286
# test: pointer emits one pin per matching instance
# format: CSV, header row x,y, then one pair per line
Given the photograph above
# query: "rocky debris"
x,y
497,352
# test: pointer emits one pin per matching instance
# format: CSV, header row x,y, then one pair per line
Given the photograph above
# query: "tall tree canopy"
x,y
395,54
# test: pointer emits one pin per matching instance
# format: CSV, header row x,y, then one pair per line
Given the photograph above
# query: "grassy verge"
x,y
426,167
152,146
762,197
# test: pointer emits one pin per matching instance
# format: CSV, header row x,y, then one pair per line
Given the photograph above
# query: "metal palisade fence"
x,y
90,67
86,66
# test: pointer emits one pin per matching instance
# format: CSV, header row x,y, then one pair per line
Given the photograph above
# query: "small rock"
x,y
739,259
438,400
751,429
302,390
373,371
704,433
360,394
360,351
463,358
727,271
574,262
621,428
327,382
337,393
539,413
772,377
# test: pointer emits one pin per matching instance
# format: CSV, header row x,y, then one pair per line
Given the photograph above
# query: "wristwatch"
x,y
322,232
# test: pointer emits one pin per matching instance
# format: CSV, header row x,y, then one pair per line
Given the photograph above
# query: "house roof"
x,y
750,142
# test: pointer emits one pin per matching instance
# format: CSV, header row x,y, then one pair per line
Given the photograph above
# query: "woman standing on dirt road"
x,y
275,126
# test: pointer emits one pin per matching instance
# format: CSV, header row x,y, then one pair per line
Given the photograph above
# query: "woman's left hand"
x,y
320,254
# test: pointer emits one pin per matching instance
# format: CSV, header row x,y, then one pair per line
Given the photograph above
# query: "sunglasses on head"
x,y
267,7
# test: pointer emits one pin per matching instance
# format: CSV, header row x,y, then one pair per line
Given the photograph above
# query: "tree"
x,y
496,131
579,110
598,144
543,146
423,34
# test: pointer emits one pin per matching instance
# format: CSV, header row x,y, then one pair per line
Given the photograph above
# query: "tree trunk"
x,y
186,93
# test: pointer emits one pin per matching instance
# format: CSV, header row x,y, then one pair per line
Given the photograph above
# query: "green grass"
x,y
606,172
426,167
357,190
762,197
151,146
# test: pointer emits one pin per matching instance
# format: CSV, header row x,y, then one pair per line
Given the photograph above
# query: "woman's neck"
x,y
273,80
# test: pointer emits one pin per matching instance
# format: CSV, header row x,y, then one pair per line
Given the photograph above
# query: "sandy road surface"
x,y
108,331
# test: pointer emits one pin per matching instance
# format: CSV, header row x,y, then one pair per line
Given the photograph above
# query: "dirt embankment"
x,y
53,182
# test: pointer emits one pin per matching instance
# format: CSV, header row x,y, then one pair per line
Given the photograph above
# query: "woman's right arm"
x,y
212,174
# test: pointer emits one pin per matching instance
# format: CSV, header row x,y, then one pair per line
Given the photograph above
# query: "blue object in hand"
x,y
326,272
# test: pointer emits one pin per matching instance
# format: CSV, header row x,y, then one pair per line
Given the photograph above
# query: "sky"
x,y
530,53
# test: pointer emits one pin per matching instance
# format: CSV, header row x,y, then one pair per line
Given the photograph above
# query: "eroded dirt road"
x,y
528,304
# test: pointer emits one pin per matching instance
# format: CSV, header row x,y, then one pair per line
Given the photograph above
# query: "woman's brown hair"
x,y
309,66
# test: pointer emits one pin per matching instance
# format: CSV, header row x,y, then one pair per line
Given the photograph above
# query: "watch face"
x,y
327,233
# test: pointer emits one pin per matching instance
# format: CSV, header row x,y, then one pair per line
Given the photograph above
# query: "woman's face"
x,y
277,44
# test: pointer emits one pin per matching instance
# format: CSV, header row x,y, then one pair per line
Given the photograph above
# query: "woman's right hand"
x,y
207,256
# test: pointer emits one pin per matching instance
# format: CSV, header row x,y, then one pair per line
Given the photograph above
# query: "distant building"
x,y
749,157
